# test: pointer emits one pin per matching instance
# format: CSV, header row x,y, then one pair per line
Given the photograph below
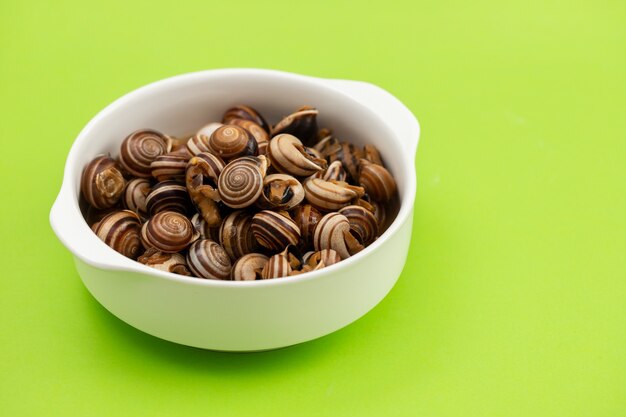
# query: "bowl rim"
x,y
69,197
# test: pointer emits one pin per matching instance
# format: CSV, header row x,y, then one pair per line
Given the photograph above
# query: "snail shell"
x,y
349,156
203,228
306,218
168,196
102,182
333,232
325,256
236,236
280,192
198,143
302,124
207,259
230,142
248,267
277,266
241,181
208,129
121,231
142,147
274,231
169,167
259,134
330,195
377,181
380,212
289,156
168,231
246,113
168,262
371,153
334,172
363,223
201,176
135,195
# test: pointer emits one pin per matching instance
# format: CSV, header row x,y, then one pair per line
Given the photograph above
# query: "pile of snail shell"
x,y
241,199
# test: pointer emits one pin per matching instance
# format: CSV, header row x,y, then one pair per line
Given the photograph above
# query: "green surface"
x,y
513,300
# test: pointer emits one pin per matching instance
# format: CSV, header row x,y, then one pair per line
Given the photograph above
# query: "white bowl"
x,y
254,315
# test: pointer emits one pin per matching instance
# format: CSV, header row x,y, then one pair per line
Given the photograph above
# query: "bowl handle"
x,y
400,118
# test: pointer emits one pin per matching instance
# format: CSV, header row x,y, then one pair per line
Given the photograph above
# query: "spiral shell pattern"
x,y
142,147
168,262
121,231
306,218
248,267
169,167
135,195
333,232
236,235
168,196
207,259
102,182
276,267
377,181
330,195
349,156
302,124
259,134
241,181
198,143
246,113
363,223
168,231
274,231
280,192
201,226
230,142
289,156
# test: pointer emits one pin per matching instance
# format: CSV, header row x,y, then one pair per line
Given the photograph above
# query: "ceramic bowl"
x,y
254,315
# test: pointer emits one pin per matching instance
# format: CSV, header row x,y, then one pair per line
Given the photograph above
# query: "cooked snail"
x,y
334,172
203,228
302,124
248,267
326,257
201,177
371,153
168,231
168,196
230,142
363,223
280,192
247,113
142,147
135,195
377,181
121,231
333,232
102,182
207,259
277,266
306,218
330,195
274,231
241,181
259,134
289,156
198,143
349,156
168,262
236,236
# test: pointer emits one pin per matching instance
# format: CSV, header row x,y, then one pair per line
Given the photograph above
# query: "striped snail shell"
x,y
248,267
259,134
241,181
102,182
325,256
277,266
208,129
380,212
142,147
289,156
363,223
201,176
371,153
302,124
198,143
274,231
349,156
334,172
207,259
280,192
236,236
135,195
330,195
327,145
168,196
230,142
121,231
333,232
168,231
247,113
168,262
169,167
306,218
203,228
377,181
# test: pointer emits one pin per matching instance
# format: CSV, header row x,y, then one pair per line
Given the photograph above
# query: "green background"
x,y
512,302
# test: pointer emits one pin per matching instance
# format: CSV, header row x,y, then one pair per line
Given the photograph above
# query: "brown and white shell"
x,y
349,156
168,231
277,266
168,196
280,192
274,231
207,130
169,167
246,113
333,232
142,147
330,195
121,231
301,124
102,182
230,142
241,181
203,228
259,134
236,236
135,195
363,223
207,259
377,181
248,267
306,218
325,256
167,262
289,156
